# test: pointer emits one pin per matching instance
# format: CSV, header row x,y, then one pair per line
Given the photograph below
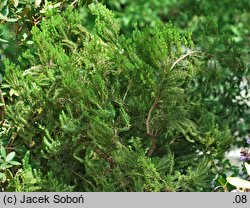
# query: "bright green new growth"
x,y
102,112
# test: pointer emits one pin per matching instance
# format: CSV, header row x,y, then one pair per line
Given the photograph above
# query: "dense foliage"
x,y
92,101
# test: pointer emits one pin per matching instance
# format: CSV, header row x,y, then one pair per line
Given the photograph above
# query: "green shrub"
x,y
98,111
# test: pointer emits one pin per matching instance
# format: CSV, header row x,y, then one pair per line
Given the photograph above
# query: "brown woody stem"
x,y
149,132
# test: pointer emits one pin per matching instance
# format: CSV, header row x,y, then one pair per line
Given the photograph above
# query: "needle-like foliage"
x,y
98,111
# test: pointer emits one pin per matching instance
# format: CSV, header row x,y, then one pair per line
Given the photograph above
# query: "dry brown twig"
x,y
183,57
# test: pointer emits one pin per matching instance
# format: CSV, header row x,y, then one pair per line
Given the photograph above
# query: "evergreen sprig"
x,y
98,111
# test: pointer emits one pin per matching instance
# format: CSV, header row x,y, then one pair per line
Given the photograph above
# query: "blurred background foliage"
x,y
230,100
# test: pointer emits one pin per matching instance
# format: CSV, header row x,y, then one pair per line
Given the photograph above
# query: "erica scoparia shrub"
x,y
101,112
